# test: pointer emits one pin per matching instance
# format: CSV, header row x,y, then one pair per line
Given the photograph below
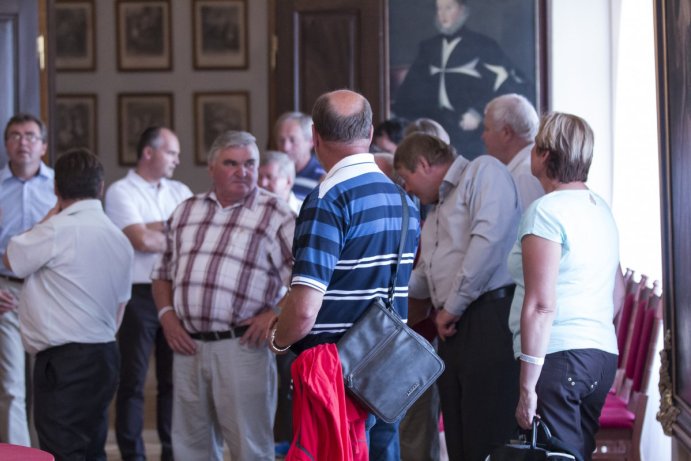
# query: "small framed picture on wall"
x,y
143,35
215,113
220,34
75,122
75,35
136,112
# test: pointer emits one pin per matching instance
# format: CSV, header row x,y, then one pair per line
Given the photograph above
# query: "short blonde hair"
x,y
569,141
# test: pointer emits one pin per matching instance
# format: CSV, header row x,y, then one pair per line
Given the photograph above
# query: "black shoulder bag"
x,y
386,365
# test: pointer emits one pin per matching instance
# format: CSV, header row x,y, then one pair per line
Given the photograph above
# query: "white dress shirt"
x,y
78,270
467,236
529,188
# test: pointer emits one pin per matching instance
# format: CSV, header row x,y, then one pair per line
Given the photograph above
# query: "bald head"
x,y
343,116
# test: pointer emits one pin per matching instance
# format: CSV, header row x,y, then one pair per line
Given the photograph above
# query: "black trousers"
x,y
479,387
571,392
139,332
73,387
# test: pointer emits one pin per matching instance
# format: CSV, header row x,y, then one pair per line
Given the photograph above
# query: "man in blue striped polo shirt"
x,y
346,240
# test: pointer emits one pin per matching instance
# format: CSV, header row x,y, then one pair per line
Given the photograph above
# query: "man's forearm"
x,y
299,309
162,291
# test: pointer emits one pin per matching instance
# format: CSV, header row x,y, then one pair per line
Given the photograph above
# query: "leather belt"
x,y
233,333
499,293
9,278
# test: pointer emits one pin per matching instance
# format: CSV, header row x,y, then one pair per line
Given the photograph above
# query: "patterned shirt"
x,y
226,264
346,244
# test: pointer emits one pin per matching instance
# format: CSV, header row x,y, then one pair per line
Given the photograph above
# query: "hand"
x,y
470,121
527,406
8,302
259,327
178,339
446,324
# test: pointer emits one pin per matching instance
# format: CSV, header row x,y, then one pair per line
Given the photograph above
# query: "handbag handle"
x,y
401,245
538,422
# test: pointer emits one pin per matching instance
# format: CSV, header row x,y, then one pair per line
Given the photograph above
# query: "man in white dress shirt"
x,y
462,272
510,127
140,204
77,268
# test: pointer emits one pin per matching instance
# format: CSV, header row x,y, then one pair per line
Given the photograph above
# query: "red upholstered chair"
x,y
623,417
18,453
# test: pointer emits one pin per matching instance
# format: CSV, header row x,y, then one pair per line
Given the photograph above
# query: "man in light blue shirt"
x,y
26,196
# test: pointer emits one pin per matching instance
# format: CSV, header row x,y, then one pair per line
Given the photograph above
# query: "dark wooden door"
x,y
19,61
322,45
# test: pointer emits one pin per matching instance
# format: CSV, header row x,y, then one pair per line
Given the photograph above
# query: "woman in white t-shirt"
x,y
568,287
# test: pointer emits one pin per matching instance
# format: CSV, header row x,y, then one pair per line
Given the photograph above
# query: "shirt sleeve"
x,y
120,208
282,255
319,237
30,251
494,214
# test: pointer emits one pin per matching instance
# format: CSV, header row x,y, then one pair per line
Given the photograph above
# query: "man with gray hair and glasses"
x,y
509,135
26,196
227,257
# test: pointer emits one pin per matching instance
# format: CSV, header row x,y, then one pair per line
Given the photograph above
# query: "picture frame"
x,y
215,113
509,34
220,34
75,35
136,112
75,122
673,55
143,35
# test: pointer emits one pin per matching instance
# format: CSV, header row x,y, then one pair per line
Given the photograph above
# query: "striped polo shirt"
x,y
308,178
346,244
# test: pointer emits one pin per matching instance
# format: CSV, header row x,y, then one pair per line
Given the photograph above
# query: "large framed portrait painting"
x,y
449,58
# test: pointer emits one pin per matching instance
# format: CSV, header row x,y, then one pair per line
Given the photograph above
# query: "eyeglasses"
x,y
31,138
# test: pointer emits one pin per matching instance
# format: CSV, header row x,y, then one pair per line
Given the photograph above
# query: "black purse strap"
x,y
404,233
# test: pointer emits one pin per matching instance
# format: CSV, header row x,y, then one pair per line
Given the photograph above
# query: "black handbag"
x,y
386,365
520,450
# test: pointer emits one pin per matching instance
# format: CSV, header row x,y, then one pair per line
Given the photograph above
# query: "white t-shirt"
x,y
582,223
78,270
133,200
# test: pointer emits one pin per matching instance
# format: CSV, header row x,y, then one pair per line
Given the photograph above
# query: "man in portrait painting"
x,y
455,74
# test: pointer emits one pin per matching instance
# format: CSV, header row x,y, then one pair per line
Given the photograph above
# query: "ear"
x,y
315,138
424,164
146,153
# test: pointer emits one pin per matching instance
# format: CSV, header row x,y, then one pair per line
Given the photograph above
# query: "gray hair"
x,y
303,120
427,126
516,112
569,141
232,139
285,165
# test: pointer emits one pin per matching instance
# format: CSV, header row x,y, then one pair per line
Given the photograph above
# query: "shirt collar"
x,y
453,176
44,172
83,205
250,201
519,157
137,179
350,160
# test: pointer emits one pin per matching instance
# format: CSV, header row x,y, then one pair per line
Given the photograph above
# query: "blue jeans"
x,y
382,439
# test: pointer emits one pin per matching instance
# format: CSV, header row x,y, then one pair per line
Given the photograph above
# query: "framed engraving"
x,y
75,35
143,35
215,113
220,34
75,122
136,112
